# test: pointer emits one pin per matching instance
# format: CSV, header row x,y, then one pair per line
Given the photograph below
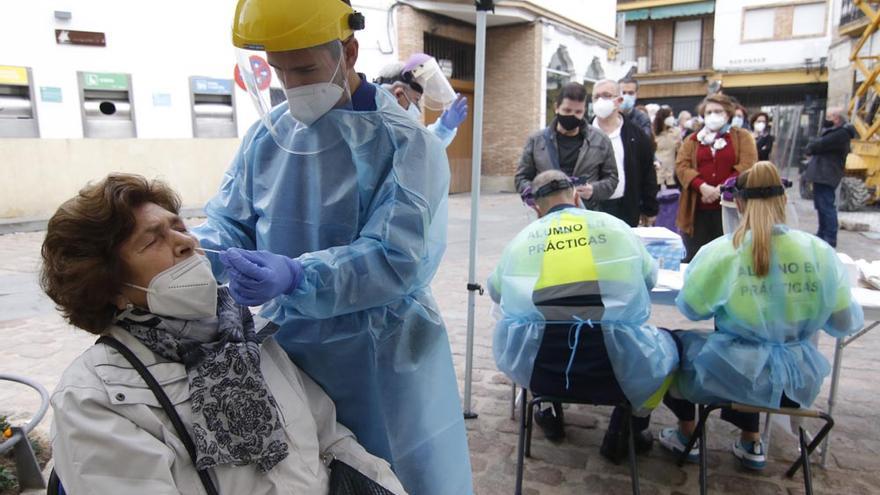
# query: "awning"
x,y
683,10
637,15
671,11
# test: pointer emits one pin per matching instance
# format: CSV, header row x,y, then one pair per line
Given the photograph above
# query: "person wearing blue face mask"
x,y
629,91
333,218
407,82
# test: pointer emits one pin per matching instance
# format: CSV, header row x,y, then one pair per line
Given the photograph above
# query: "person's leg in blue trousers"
x,y
826,208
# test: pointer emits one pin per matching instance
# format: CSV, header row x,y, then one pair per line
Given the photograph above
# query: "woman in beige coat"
x,y
119,262
668,139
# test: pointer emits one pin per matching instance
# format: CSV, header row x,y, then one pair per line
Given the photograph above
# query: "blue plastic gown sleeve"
x,y
847,316
399,247
231,219
443,133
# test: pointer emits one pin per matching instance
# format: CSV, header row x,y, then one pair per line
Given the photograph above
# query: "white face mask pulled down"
x,y
187,290
310,102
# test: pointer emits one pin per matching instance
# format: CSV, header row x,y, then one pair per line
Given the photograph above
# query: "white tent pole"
x,y
476,170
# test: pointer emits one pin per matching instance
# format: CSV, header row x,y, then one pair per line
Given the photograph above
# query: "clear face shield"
x,y
438,93
314,83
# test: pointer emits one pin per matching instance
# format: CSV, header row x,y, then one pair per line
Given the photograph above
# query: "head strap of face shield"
x,y
760,192
552,187
740,190
405,78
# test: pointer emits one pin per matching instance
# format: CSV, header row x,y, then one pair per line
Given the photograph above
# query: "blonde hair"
x,y
760,214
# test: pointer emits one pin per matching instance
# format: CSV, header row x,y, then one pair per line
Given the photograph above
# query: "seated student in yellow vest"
x,y
573,289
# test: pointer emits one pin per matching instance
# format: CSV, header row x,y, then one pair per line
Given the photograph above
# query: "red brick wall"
x,y
513,95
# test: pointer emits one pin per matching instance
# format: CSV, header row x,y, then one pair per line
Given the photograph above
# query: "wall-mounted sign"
x,y
16,76
50,94
105,81
260,72
211,86
89,38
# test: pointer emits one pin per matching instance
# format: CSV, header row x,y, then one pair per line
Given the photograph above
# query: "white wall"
x,y
160,43
581,52
732,54
600,15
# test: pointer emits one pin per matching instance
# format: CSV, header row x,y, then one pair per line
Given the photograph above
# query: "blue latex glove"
x,y
455,114
256,277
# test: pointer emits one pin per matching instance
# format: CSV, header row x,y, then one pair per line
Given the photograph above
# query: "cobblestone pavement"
x,y
37,343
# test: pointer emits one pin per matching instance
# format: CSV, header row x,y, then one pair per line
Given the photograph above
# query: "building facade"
x,y
106,86
763,52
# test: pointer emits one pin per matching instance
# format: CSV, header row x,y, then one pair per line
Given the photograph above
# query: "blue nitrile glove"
x,y
256,277
455,114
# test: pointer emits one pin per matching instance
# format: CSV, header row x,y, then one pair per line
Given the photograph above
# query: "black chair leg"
x,y
704,452
633,462
805,461
829,423
530,423
520,451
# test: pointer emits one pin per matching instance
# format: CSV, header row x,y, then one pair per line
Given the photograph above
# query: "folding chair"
x,y
805,448
524,446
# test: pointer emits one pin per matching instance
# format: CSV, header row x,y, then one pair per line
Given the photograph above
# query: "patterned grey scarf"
x,y
235,417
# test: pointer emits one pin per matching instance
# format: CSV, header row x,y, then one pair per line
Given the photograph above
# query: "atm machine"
x,y
213,107
18,110
107,105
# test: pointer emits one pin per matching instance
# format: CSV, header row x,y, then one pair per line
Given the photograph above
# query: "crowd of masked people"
x,y
574,286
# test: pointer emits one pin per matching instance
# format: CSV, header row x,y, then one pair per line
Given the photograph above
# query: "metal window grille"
x,y
460,54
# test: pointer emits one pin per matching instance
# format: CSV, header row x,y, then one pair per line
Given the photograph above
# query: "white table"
x,y
670,282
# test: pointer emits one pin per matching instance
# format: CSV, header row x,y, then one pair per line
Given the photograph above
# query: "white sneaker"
x,y
750,454
674,440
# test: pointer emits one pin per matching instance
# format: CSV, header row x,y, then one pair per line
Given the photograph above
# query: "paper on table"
x,y
656,234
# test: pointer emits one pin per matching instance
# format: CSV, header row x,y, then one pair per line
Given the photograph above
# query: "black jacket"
x,y
765,146
640,190
828,155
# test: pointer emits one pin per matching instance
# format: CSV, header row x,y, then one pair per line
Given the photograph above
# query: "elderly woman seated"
x,y
118,261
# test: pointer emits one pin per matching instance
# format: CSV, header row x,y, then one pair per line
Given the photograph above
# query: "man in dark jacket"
x,y
635,199
825,170
629,91
570,145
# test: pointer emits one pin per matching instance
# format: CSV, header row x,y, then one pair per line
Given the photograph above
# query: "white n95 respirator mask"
x,y
187,290
309,103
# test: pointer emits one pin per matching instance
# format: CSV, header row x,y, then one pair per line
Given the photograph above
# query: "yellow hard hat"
x,y
283,25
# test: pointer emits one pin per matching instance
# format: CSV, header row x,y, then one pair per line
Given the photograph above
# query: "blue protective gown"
x,y
365,211
570,253
762,345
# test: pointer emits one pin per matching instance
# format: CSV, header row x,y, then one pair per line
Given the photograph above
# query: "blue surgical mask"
x,y
629,102
413,110
736,121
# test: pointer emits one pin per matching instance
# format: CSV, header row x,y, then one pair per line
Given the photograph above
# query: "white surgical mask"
x,y
689,124
669,121
187,290
603,107
759,127
310,102
715,121
737,121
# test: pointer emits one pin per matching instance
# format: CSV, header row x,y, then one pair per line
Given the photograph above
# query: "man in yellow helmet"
x,y
573,289
333,216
